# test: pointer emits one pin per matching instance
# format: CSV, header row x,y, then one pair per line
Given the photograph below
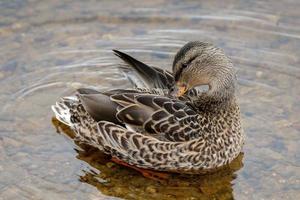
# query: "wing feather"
x,y
152,77
165,118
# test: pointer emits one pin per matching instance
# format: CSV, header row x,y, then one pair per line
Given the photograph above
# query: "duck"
x,y
165,122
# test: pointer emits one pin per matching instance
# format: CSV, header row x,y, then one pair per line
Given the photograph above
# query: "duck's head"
x,y
199,63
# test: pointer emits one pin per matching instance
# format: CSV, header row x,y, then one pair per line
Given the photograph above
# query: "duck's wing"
x,y
142,75
145,130
161,117
99,104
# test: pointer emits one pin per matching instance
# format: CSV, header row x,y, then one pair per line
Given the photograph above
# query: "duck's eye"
x,y
184,66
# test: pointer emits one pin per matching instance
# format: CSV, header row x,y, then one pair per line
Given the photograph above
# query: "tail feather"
x,y
62,109
70,111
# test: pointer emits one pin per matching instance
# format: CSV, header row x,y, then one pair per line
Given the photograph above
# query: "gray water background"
x,y
48,48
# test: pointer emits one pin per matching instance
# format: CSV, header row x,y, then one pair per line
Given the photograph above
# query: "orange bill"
x,y
181,90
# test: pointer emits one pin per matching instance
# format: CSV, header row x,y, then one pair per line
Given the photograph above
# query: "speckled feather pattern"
x,y
193,133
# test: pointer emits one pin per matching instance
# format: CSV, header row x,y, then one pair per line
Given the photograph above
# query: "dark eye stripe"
x,y
178,73
183,66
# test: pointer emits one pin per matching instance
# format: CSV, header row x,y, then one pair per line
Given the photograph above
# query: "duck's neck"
x,y
220,95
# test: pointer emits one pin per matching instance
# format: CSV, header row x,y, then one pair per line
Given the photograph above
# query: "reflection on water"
x,y
49,48
114,180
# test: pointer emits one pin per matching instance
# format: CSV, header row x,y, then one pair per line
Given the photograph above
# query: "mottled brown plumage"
x,y
150,128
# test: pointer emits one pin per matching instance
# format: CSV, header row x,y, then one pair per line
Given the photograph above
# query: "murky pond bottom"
x,y
50,48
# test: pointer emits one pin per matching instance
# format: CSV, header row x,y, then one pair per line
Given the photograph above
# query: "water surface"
x,y
49,48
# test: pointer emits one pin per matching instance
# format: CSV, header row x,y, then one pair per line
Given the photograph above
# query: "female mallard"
x,y
165,123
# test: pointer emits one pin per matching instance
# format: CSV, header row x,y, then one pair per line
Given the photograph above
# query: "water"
x,y
48,48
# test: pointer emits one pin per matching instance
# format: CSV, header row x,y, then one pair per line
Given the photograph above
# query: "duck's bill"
x,y
178,91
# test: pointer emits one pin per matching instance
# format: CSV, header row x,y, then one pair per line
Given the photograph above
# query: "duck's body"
x,y
148,128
